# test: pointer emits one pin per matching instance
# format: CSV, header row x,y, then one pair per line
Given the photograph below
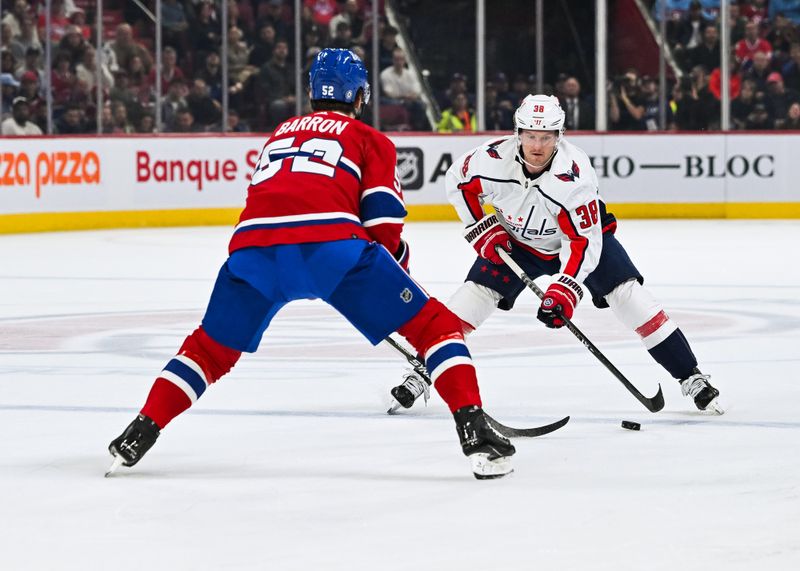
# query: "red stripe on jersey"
x,y
612,227
577,244
470,191
297,235
652,325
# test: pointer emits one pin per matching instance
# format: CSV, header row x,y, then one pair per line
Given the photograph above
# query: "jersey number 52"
x,y
325,152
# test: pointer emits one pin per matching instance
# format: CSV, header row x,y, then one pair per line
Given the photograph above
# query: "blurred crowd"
x,y
765,69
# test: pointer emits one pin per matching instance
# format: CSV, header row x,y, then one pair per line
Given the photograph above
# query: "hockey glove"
x,y
559,301
402,254
485,234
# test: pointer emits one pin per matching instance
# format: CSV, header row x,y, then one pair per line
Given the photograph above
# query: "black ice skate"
x,y
407,392
129,447
704,395
489,451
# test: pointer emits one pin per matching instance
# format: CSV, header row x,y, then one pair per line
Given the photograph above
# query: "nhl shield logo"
x,y
410,167
406,295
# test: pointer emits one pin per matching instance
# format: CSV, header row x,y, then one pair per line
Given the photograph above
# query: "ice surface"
x,y
289,463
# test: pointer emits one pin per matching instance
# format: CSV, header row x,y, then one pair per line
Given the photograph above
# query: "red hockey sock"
x,y
165,402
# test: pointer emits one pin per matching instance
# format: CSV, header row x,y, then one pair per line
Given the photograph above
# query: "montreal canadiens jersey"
x,y
323,177
556,214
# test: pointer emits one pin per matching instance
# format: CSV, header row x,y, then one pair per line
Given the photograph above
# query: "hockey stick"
x,y
653,404
507,431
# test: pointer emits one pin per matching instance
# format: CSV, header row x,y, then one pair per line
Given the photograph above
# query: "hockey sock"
x,y
436,333
199,362
675,355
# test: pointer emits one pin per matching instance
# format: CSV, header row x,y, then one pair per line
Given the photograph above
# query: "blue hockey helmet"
x,y
336,75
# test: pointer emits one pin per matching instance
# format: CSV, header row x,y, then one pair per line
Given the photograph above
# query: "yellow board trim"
x,y
58,221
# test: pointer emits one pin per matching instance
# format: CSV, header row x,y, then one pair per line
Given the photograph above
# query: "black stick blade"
x,y
510,432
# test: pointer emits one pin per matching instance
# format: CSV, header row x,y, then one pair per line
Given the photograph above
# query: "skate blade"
x,y
485,469
118,460
394,406
714,407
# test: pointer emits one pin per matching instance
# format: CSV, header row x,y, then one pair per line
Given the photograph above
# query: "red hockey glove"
x,y
559,301
402,254
485,234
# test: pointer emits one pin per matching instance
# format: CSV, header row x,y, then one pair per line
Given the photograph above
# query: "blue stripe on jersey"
x,y
187,374
278,225
342,165
448,351
381,205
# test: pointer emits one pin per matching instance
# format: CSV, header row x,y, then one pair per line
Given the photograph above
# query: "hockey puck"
x,y
630,425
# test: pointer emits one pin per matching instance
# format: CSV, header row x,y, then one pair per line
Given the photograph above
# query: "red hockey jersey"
x,y
323,177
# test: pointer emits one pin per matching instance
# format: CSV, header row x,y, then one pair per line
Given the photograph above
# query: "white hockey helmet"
x,y
539,113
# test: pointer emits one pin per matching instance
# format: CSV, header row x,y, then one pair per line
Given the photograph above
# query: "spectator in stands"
x,y
705,53
781,36
321,11
754,10
10,90
343,38
245,22
19,123
235,123
579,113
778,99
687,32
72,121
175,100
276,80
146,124
122,48
499,113
752,43
458,118
30,89
169,69
58,21
685,111
211,74
78,19
789,8
311,37
205,109
263,46
119,117
519,89
652,108
626,106
73,44
742,106
353,15
33,64
86,71
791,69
792,121
62,79
174,25
26,39
184,122
387,44
736,23
399,86
759,118
7,62
139,82
759,70
204,33
458,84
238,56
15,17
275,12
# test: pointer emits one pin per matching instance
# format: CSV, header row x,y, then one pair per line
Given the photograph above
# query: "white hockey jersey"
x,y
554,214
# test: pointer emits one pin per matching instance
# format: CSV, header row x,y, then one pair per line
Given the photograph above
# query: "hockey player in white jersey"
x,y
552,220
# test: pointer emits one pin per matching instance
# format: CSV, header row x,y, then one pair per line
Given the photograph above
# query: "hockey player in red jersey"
x,y
323,219
549,215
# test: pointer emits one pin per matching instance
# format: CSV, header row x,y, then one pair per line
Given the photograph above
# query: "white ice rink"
x,y
289,463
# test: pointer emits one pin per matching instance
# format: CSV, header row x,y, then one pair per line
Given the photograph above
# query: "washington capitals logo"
x,y
492,151
571,174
